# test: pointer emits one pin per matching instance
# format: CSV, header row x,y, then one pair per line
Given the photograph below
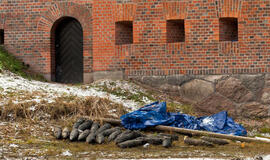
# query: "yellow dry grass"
x,y
62,108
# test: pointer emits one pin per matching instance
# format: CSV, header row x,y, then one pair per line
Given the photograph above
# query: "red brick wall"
x,y
28,23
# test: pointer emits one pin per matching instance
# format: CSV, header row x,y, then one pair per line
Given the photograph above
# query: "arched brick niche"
x,y
230,30
50,18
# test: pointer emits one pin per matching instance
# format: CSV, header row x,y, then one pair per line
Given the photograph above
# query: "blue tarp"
x,y
156,114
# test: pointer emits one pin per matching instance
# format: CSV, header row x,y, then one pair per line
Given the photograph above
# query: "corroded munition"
x,y
100,139
57,132
104,127
78,123
114,135
154,140
132,143
110,131
65,133
128,136
91,138
94,127
125,132
197,142
167,142
83,135
86,125
215,140
74,135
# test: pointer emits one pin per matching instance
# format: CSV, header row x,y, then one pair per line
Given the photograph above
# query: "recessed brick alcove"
x,y
123,32
228,29
175,31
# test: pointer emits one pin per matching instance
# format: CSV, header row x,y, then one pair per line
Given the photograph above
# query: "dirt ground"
x,y
30,111
31,140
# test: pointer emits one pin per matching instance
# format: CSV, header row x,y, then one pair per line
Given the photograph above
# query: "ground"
x,y
21,140
32,108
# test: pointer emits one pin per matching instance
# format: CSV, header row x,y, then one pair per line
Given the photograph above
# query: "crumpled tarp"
x,y
156,114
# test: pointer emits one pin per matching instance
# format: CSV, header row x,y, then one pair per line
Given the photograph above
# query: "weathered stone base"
x,y
113,75
94,76
243,96
48,77
88,78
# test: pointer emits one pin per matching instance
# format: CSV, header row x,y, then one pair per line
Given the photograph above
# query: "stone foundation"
x,y
243,96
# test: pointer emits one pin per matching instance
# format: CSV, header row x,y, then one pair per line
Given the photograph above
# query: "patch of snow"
x,y
123,85
266,157
32,108
3,123
266,135
10,82
112,110
146,145
66,153
146,100
13,146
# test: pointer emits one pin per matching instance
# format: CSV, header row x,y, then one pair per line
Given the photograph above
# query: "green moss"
x,y
138,97
9,62
265,130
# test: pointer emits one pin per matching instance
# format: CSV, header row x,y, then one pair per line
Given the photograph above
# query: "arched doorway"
x,y
67,53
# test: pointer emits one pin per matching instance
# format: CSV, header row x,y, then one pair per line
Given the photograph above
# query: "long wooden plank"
x,y
196,132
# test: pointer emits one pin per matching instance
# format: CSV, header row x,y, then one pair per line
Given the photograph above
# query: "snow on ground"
x,y
266,157
124,85
123,88
66,153
10,82
266,135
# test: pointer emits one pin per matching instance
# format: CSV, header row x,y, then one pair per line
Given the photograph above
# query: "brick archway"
x,y
45,25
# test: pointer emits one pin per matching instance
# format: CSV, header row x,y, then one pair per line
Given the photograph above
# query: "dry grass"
x,y
62,108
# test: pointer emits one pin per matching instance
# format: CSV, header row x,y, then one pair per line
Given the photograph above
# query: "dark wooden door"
x,y
69,52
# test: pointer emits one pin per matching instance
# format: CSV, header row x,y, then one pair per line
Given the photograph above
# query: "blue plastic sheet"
x,y
156,114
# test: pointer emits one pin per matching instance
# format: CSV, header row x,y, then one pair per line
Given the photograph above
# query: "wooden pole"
x,y
196,132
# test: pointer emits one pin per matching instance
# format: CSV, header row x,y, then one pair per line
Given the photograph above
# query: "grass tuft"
x,y
139,96
265,130
65,107
9,62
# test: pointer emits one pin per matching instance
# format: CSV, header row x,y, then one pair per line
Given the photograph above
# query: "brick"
x,y
153,46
